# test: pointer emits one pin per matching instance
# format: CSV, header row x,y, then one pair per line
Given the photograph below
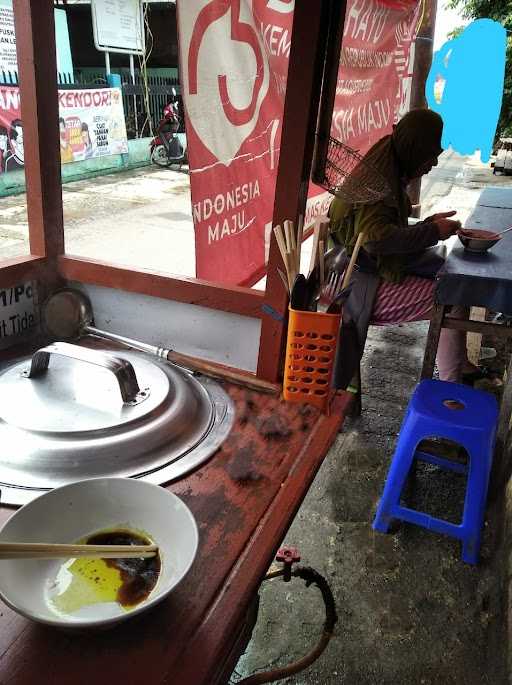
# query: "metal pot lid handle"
x,y
121,368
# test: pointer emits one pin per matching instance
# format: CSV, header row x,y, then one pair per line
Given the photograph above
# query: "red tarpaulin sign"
x,y
234,62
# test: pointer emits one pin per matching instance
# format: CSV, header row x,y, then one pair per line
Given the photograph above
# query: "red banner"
x,y
11,130
376,64
234,62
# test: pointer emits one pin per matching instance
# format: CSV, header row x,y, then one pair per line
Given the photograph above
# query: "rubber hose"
x,y
311,577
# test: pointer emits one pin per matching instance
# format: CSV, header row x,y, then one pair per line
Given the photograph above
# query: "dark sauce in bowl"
x,y
138,576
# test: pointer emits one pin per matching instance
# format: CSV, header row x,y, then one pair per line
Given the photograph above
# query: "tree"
x,y
500,11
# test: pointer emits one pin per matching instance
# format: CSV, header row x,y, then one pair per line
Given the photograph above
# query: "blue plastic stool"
x,y
472,423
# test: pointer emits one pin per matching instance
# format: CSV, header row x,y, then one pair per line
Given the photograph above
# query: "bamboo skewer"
x,y
41,550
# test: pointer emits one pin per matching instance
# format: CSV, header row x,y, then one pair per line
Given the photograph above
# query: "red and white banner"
x,y
234,63
91,124
375,75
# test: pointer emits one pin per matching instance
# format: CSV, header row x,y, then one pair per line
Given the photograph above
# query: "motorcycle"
x,y
169,146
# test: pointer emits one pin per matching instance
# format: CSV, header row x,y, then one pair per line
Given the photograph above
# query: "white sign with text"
x,y
18,314
118,26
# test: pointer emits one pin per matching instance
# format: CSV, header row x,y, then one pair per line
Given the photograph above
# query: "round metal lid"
x,y
69,398
72,413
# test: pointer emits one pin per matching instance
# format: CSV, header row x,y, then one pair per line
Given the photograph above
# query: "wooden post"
x,y
329,87
37,66
304,83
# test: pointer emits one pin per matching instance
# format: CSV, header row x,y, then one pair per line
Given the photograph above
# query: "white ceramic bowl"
x,y
74,511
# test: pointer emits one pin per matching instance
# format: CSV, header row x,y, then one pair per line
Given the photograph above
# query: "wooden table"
x,y
244,500
478,281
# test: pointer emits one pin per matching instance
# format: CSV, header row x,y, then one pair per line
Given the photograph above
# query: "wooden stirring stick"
x,y
41,550
350,268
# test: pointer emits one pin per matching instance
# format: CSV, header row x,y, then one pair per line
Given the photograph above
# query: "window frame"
x,y
51,266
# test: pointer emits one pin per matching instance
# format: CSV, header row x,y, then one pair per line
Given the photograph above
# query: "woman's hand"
x,y
441,215
447,227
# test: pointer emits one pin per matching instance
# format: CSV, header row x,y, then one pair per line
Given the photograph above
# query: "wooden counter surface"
x,y
244,499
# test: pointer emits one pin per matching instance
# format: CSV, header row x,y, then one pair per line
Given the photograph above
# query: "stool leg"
x,y
395,481
475,502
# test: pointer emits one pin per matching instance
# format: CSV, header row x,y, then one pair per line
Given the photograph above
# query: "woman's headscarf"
x,y
415,140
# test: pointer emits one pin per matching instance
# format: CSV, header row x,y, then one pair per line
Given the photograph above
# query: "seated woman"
x,y
394,283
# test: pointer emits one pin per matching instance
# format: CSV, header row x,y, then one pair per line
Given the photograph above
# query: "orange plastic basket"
x,y
310,353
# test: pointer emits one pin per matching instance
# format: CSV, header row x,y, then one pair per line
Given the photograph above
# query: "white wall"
x,y
199,331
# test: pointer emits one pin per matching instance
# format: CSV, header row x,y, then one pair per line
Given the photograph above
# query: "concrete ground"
x,y
409,611
140,218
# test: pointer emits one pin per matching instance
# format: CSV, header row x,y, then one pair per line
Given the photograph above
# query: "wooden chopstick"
x,y
278,232
290,269
314,252
355,252
283,279
284,253
320,232
288,235
41,550
291,255
324,230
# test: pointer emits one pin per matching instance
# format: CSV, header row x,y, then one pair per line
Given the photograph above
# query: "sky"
x,y
446,21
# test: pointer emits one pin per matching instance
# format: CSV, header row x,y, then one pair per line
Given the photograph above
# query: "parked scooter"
x,y
169,146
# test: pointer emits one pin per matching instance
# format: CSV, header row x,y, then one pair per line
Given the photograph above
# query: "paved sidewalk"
x,y
410,612
140,218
